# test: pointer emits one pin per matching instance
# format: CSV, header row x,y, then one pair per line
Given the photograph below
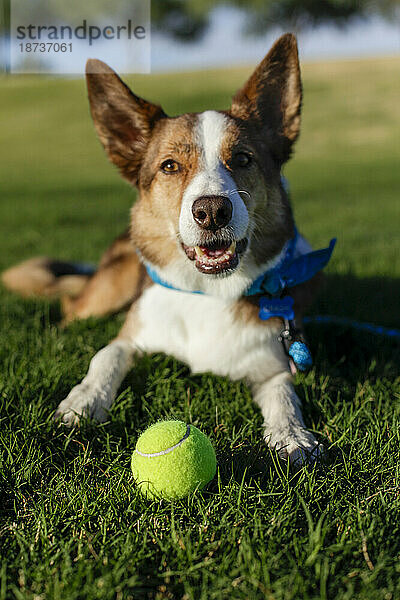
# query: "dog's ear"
x,y
123,121
272,97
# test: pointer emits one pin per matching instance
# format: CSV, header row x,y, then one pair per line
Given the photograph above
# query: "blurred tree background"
x,y
188,20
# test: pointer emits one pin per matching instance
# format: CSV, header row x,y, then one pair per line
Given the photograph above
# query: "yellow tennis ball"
x,y
172,459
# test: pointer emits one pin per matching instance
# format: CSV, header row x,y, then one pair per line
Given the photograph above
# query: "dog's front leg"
x,y
95,394
283,421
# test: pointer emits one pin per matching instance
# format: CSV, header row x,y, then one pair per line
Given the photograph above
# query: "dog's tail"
x,y
47,277
84,290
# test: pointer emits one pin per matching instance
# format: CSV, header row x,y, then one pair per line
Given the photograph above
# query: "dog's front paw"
x,y
84,400
299,446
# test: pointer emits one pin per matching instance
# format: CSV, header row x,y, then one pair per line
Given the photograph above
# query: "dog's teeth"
x,y
199,251
227,255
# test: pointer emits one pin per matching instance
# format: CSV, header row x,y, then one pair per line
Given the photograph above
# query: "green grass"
x,y
72,523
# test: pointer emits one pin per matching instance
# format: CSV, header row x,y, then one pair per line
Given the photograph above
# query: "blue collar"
x,y
288,273
291,271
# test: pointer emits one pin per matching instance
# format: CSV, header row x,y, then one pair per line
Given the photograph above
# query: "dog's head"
x,y
211,213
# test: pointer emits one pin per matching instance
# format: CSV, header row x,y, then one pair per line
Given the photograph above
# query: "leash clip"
x,y
295,348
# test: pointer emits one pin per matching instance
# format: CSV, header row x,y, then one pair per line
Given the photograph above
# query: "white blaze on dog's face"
x,y
211,213
212,210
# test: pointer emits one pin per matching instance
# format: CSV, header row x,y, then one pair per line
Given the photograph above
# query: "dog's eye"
x,y
242,159
170,166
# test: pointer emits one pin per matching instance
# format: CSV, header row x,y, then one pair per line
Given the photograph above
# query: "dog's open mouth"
x,y
216,257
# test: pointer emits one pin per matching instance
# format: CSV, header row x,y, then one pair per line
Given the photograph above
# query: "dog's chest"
x,y
207,333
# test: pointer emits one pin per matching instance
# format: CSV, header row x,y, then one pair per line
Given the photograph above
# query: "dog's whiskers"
x,y
229,192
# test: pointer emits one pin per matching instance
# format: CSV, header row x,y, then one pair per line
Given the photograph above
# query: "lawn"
x,y
72,524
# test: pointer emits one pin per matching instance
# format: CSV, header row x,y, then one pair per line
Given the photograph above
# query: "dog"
x,y
212,221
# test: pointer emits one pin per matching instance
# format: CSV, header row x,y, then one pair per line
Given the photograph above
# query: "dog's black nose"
x,y
212,212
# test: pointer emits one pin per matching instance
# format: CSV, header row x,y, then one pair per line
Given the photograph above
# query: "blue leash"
x,y
360,325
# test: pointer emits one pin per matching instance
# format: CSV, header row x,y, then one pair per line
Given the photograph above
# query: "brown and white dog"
x,y
211,216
